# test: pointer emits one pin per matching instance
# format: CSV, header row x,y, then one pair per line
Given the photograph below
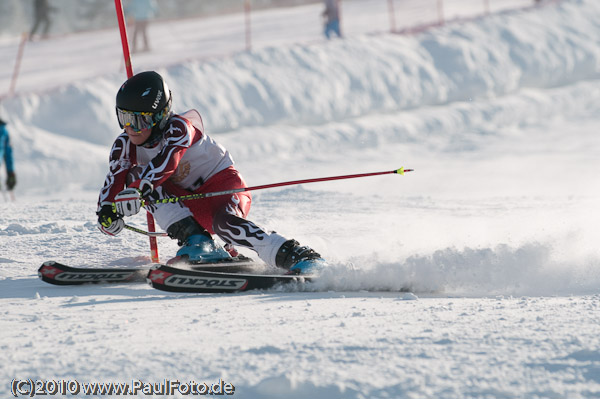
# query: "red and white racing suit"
x,y
188,161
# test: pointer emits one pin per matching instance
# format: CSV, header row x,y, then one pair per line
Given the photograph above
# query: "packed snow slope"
x,y
495,232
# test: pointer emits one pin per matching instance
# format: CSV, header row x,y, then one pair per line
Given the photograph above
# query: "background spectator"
x,y
332,18
141,11
41,10
6,154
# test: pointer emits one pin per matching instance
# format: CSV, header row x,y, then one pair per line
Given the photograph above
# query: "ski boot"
x,y
197,245
200,248
298,259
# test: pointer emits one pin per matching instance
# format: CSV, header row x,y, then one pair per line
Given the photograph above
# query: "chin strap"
x,y
154,138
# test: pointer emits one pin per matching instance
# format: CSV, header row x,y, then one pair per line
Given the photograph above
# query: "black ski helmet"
x,y
146,92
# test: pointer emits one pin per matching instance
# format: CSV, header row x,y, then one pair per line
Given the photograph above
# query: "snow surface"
x,y
496,231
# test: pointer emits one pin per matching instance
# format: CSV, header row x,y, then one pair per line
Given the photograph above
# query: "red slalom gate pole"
x,y
247,12
13,81
124,41
129,69
392,16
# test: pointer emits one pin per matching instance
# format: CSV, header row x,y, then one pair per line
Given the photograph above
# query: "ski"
x,y
234,275
60,274
167,278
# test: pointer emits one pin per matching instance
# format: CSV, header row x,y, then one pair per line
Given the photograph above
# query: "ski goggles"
x,y
136,120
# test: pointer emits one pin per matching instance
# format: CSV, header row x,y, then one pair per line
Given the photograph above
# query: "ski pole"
x,y
146,233
400,171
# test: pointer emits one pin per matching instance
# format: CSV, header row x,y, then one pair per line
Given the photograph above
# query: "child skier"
x,y
161,154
